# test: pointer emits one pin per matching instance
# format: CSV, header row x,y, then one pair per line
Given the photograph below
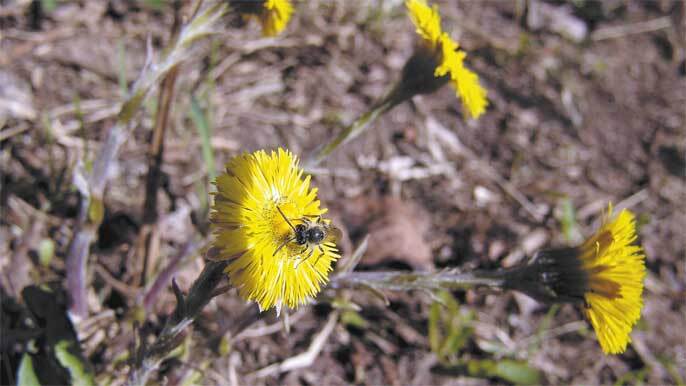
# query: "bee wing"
x,y
333,234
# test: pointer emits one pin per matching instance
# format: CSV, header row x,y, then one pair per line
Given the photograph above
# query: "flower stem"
x,y
147,359
417,78
406,281
356,128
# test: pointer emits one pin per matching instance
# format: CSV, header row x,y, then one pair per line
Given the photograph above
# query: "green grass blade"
x,y
121,73
25,374
199,118
80,374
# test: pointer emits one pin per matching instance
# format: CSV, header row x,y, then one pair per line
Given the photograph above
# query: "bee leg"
x,y
302,251
321,253
310,254
303,260
288,240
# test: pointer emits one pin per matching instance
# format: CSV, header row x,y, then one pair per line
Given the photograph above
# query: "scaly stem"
x,y
356,128
418,77
147,359
406,281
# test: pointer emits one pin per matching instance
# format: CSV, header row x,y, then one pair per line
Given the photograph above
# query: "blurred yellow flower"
x,y
615,268
261,201
273,15
450,58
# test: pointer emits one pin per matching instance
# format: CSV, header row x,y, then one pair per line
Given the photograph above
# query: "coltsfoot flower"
x,y
267,221
438,48
273,15
616,268
605,274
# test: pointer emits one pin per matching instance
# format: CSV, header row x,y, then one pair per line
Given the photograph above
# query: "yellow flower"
x,y
273,15
605,274
438,44
261,200
615,267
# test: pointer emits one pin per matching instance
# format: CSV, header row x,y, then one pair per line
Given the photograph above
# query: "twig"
x,y
91,211
450,141
306,358
124,288
633,200
600,205
247,317
511,190
265,330
11,132
631,29
647,356
17,273
33,40
355,258
552,333
156,148
149,237
151,294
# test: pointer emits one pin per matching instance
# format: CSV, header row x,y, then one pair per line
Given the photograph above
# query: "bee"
x,y
310,234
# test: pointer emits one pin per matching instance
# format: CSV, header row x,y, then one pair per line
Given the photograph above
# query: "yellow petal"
x,y
276,16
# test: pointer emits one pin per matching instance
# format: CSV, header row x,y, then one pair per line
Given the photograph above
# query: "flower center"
x,y
282,217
